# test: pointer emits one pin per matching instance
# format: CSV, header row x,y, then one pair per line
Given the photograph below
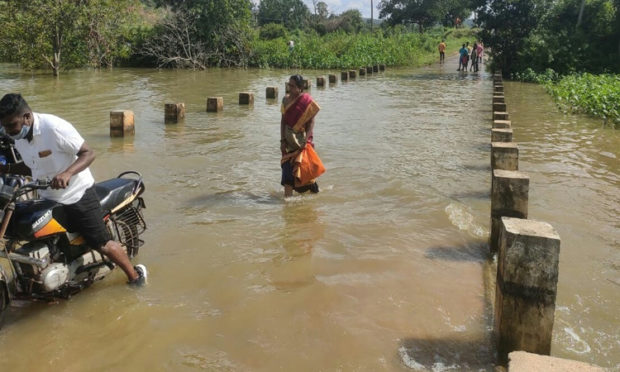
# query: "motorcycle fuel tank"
x,y
34,219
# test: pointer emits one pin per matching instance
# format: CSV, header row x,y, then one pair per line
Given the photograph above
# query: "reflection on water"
x,y
385,269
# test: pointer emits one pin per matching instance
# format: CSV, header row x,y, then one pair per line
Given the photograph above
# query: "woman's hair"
x,y
299,81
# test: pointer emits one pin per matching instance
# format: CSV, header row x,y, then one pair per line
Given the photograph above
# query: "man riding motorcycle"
x,y
52,148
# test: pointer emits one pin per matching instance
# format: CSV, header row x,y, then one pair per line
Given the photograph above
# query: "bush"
x,y
272,31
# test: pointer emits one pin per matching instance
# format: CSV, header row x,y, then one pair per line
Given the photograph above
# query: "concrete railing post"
x,y
501,135
362,71
344,76
352,74
499,107
509,198
307,84
246,98
174,112
501,124
500,115
271,92
369,69
121,123
505,156
332,79
320,81
526,286
215,104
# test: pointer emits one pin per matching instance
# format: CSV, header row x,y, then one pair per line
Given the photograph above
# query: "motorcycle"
x,y
45,259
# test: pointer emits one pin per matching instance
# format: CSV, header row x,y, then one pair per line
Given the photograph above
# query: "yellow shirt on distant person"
x,y
442,47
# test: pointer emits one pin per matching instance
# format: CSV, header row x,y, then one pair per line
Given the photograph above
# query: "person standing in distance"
x,y
442,50
51,148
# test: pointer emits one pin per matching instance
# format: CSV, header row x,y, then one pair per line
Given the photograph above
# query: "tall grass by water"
x,y
343,50
597,95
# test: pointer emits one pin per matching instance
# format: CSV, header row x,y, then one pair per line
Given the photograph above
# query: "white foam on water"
x,y
577,340
461,217
408,360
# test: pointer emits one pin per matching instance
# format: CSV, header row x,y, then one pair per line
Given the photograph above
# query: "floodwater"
x,y
386,269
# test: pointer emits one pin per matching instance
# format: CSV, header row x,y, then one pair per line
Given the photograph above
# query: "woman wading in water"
x,y
296,125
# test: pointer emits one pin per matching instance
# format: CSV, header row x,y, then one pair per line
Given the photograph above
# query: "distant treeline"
x,y
63,34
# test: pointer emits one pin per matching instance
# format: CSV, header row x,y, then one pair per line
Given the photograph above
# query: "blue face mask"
x,y
22,133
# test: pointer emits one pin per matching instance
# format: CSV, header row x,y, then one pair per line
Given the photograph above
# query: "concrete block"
x,y
320,81
502,124
174,112
246,98
504,155
498,115
215,104
501,135
344,76
509,197
121,123
526,286
271,92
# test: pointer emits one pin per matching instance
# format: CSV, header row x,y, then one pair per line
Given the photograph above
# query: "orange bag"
x,y
309,168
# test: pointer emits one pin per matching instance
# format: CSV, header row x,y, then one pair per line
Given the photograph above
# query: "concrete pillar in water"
x,y
501,124
500,107
526,286
271,92
307,84
381,67
121,123
375,68
246,98
499,115
320,81
369,69
504,155
352,74
362,71
498,88
215,104
499,98
332,79
174,112
501,135
509,198
344,76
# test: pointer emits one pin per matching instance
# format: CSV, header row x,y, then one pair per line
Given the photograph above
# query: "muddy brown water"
x,y
385,269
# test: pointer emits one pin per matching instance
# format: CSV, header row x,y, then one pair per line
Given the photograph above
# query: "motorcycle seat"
x,y
114,191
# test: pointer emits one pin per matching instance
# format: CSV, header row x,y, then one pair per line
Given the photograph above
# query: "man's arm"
x,y
85,157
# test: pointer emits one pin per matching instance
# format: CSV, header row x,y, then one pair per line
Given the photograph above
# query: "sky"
x,y
339,6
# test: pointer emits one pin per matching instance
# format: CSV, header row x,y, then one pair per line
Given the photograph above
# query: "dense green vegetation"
x,y
62,34
566,35
396,47
597,95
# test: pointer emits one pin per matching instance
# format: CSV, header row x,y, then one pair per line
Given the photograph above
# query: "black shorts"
x,y
86,217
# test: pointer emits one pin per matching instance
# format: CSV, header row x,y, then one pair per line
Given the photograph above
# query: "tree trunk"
x,y
56,63
580,16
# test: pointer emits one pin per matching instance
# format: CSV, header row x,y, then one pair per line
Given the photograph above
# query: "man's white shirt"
x,y
54,147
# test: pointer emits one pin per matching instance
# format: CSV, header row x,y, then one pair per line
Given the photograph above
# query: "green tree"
x,y
64,33
424,13
293,14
